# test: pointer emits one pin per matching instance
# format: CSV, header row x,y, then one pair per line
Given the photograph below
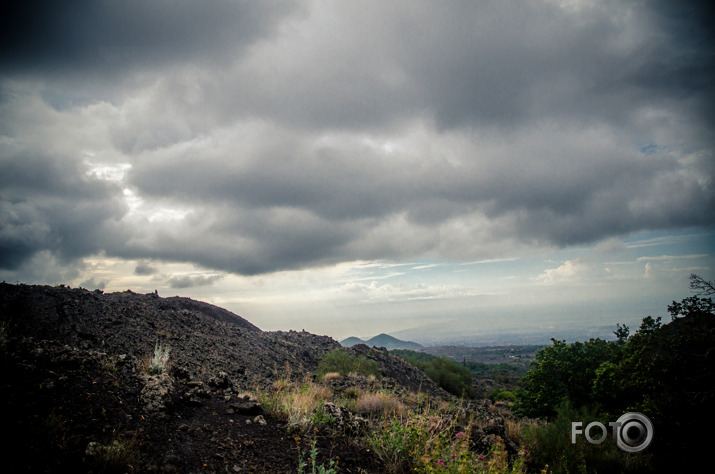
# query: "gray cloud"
x,y
329,131
144,269
45,204
190,281
109,36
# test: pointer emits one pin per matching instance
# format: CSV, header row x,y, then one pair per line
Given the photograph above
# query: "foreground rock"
x,y
80,395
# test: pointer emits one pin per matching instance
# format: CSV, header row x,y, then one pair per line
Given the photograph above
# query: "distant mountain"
x,y
381,340
351,341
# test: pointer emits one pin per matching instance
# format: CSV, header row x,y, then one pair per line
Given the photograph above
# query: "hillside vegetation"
x,y
664,371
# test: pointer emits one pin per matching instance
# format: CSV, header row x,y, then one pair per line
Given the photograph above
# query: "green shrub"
x,y
501,394
446,373
451,376
564,372
314,467
342,362
551,444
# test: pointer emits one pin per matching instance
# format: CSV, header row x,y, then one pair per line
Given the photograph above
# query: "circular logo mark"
x,y
634,433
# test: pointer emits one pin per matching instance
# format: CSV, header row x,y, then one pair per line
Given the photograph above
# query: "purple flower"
x,y
440,463
460,434
481,458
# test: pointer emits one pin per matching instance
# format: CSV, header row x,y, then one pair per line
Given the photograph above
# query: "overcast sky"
x,y
358,167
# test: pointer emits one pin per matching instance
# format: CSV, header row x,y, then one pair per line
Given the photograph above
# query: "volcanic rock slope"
x,y
71,383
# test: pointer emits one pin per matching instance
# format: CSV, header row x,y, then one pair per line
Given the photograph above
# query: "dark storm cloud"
x,y
330,131
46,205
478,63
108,36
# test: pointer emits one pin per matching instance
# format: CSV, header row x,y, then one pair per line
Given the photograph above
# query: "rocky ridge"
x,y
73,385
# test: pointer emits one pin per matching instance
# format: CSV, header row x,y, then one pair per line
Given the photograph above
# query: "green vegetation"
x,y
314,467
449,375
503,394
664,371
501,371
564,373
343,363
409,432
432,442
551,445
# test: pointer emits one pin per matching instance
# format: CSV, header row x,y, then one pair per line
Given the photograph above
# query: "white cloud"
x,y
671,257
569,272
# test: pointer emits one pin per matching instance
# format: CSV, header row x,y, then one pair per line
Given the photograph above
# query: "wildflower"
x,y
481,458
440,462
460,434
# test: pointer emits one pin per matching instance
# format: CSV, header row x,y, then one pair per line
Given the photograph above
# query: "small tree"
x,y
564,373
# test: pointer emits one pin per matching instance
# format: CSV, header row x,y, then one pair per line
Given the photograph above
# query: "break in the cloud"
x,y
248,138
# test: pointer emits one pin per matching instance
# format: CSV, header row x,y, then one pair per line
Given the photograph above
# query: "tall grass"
x,y
433,441
407,432
339,361
298,403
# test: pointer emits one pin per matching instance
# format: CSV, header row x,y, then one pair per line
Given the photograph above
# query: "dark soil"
x,y
73,386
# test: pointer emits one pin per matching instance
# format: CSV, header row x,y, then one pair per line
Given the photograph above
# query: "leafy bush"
x,y
551,445
563,373
446,373
451,376
343,363
664,371
501,394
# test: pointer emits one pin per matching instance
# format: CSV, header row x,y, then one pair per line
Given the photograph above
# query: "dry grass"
x,y
379,403
295,402
331,376
353,393
515,429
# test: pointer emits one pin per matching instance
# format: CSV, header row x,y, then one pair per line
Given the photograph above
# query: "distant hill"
x,y
381,340
351,341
